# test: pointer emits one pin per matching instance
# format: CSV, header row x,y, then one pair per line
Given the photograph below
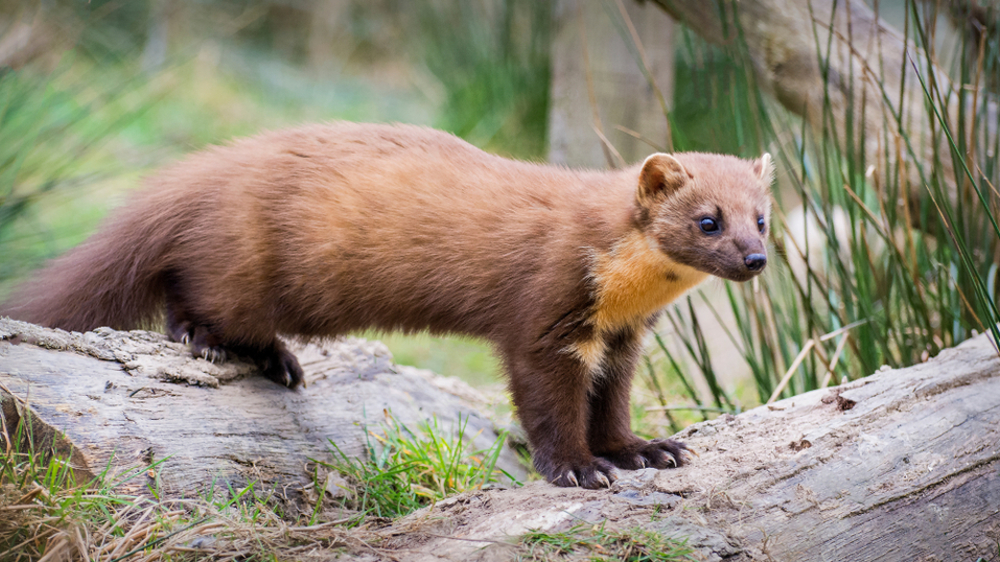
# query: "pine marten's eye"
x,y
709,225
761,225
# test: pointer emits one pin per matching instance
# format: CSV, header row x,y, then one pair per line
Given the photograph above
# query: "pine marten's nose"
x,y
755,262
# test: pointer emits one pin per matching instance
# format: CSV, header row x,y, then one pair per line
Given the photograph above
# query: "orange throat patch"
x,y
634,280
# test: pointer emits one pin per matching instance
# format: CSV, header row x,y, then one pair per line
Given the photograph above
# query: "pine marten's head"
x,y
708,211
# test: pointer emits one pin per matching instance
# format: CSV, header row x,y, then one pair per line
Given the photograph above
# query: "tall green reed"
x,y
54,128
888,269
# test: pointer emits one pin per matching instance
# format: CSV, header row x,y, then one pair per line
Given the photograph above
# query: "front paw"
x,y
597,473
658,453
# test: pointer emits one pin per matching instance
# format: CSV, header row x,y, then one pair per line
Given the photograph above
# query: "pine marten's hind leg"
x,y
609,432
272,358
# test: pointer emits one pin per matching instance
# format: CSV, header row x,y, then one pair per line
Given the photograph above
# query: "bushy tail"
x,y
115,279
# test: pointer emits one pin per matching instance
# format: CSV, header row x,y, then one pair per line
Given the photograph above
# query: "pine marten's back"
x,y
391,227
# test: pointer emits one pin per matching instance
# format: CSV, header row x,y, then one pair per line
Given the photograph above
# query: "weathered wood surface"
x,y
902,465
132,398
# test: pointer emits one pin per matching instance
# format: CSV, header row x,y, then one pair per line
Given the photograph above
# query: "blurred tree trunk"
x,y
871,87
154,53
981,16
329,42
26,35
600,84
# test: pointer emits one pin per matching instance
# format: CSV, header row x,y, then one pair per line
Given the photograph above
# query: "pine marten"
x,y
327,229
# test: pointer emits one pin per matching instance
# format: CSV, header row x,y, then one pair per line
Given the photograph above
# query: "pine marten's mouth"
x,y
721,263
740,274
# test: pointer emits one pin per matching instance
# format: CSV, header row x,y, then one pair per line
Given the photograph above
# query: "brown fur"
x,y
327,229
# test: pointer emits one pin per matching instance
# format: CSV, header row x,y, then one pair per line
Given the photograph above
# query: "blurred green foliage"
x,y
117,89
494,68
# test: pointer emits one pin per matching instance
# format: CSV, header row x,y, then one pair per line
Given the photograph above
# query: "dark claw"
x,y
658,453
594,474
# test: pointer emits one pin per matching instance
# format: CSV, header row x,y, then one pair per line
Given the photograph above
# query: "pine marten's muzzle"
x,y
755,262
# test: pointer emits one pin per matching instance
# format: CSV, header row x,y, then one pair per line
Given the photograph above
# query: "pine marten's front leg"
x,y
609,430
550,389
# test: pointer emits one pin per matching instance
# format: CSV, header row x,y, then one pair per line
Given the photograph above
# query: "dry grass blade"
x,y
133,536
328,524
837,332
791,370
833,362
619,160
57,549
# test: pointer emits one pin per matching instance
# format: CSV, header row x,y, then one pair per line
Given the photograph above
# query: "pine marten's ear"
x,y
661,175
764,168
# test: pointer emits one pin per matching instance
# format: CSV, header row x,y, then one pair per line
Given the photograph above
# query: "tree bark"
x,y
902,465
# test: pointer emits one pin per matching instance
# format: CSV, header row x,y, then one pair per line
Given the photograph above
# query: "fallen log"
x,y
901,465
118,400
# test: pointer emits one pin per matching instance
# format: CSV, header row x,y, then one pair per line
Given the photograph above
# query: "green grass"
x,y
405,470
50,512
470,359
594,542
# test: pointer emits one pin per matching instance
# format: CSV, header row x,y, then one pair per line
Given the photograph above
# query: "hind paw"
x,y
281,366
213,354
274,360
